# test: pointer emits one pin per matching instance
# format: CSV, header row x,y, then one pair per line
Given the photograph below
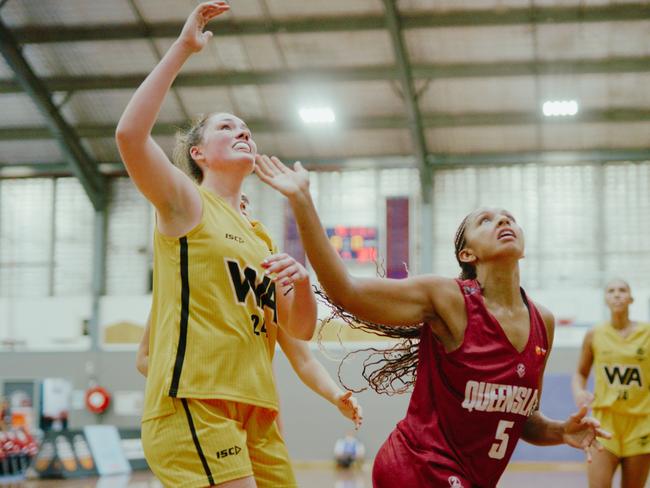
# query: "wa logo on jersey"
x,y
623,375
244,281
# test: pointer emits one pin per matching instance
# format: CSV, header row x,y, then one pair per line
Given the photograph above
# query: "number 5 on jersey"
x,y
498,449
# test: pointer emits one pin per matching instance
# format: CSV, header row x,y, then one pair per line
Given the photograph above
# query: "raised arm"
x,y
163,184
312,373
579,381
386,301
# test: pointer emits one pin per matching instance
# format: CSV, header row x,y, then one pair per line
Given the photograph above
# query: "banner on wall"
x,y
354,243
397,237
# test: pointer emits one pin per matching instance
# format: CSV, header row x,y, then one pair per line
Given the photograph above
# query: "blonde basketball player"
x,y
310,371
619,352
210,399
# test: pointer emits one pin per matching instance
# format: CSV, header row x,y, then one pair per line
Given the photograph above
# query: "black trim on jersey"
x,y
197,444
185,312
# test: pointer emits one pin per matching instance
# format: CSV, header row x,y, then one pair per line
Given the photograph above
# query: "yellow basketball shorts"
x,y
630,433
207,442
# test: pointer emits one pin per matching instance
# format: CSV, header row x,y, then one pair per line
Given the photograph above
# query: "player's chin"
x,y
244,160
510,251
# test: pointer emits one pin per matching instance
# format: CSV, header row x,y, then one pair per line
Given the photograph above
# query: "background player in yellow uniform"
x,y
210,400
619,351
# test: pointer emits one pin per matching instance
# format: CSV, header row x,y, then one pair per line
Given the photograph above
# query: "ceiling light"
x,y
560,108
317,115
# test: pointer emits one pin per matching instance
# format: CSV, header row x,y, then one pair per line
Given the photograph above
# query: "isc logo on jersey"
x,y
233,451
263,290
623,375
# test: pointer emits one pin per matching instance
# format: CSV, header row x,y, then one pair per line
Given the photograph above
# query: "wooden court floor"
x,y
319,475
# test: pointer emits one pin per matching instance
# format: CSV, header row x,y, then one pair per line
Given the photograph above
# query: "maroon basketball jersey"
x,y
468,407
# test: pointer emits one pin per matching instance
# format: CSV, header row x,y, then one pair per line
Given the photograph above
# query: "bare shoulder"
x,y
439,284
547,315
443,291
549,321
589,337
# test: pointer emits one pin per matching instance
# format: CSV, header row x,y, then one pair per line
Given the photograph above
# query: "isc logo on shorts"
x,y
233,451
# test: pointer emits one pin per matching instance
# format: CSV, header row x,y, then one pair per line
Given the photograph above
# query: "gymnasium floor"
x,y
518,475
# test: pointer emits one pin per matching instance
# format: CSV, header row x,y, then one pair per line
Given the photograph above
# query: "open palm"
x,y
284,179
192,34
581,432
350,408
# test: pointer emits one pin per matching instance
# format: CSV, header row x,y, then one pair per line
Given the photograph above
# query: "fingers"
x,y
278,262
357,412
594,425
213,5
359,416
263,167
582,412
279,165
210,10
277,265
590,421
588,453
271,166
603,433
285,269
579,415
349,407
274,258
261,174
290,276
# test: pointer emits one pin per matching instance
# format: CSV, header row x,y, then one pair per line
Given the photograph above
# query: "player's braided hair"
x,y
468,272
391,370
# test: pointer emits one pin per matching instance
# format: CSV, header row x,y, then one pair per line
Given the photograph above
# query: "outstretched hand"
x,y
192,35
285,269
350,408
280,177
581,432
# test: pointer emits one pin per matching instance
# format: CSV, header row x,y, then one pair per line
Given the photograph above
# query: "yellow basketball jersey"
x,y
622,369
214,317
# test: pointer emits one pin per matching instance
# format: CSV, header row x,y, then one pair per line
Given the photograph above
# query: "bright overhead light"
x,y
560,108
317,115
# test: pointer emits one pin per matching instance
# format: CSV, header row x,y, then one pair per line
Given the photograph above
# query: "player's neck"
x,y
500,284
225,185
620,320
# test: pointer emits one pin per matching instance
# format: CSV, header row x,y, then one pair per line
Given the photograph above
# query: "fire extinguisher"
x,y
97,399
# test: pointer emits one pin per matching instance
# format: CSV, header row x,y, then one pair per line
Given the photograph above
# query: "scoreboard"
x,y
354,243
